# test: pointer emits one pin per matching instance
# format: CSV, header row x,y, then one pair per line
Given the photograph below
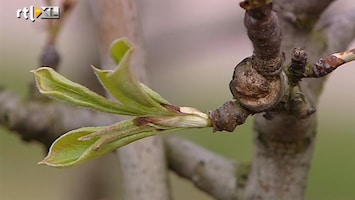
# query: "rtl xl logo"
x,y
42,12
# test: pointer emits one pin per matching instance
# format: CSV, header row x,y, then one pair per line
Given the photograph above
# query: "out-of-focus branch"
x,y
143,167
314,7
44,120
302,14
339,29
50,56
54,26
212,173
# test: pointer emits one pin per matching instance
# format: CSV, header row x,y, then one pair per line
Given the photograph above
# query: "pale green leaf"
x,y
125,128
119,48
52,84
154,95
67,150
84,144
124,86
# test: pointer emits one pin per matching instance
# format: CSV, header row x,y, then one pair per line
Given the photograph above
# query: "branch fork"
x,y
262,82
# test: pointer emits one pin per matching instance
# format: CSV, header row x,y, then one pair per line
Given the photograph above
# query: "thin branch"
x,y
326,65
339,29
314,7
303,14
209,172
54,26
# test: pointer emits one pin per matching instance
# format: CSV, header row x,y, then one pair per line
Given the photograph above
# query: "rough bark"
x,y
284,145
143,166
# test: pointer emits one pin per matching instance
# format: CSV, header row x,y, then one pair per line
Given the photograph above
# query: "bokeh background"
x,y
192,47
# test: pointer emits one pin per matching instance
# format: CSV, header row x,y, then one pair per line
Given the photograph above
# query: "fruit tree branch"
x,y
209,172
339,29
44,120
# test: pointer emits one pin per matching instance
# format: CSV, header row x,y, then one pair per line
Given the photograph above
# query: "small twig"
x,y
50,56
228,116
55,25
326,65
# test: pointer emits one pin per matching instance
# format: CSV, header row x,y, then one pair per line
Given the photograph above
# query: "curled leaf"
x,y
154,95
84,144
54,85
68,151
119,48
122,84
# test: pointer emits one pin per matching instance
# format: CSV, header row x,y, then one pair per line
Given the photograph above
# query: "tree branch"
x,y
339,30
44,120
303,14
209,172
310,7
326,65
284,142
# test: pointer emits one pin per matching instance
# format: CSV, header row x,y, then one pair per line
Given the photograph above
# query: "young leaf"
x,y
122,84
52,84
155,114
68,151
84,144
125,128
119,48
154,95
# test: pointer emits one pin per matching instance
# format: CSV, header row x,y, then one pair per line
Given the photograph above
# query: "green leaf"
x,y
122,84
154,95
119,48
125,128
84,144
155,114
67,150
52,84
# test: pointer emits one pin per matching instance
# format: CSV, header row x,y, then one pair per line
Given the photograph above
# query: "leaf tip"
x,y
119,49
42,162
95,68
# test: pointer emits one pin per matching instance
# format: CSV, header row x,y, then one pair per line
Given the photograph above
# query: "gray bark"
x,y
284,145
209,172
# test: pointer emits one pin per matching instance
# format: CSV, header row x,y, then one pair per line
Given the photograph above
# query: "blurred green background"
x,y
190,59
